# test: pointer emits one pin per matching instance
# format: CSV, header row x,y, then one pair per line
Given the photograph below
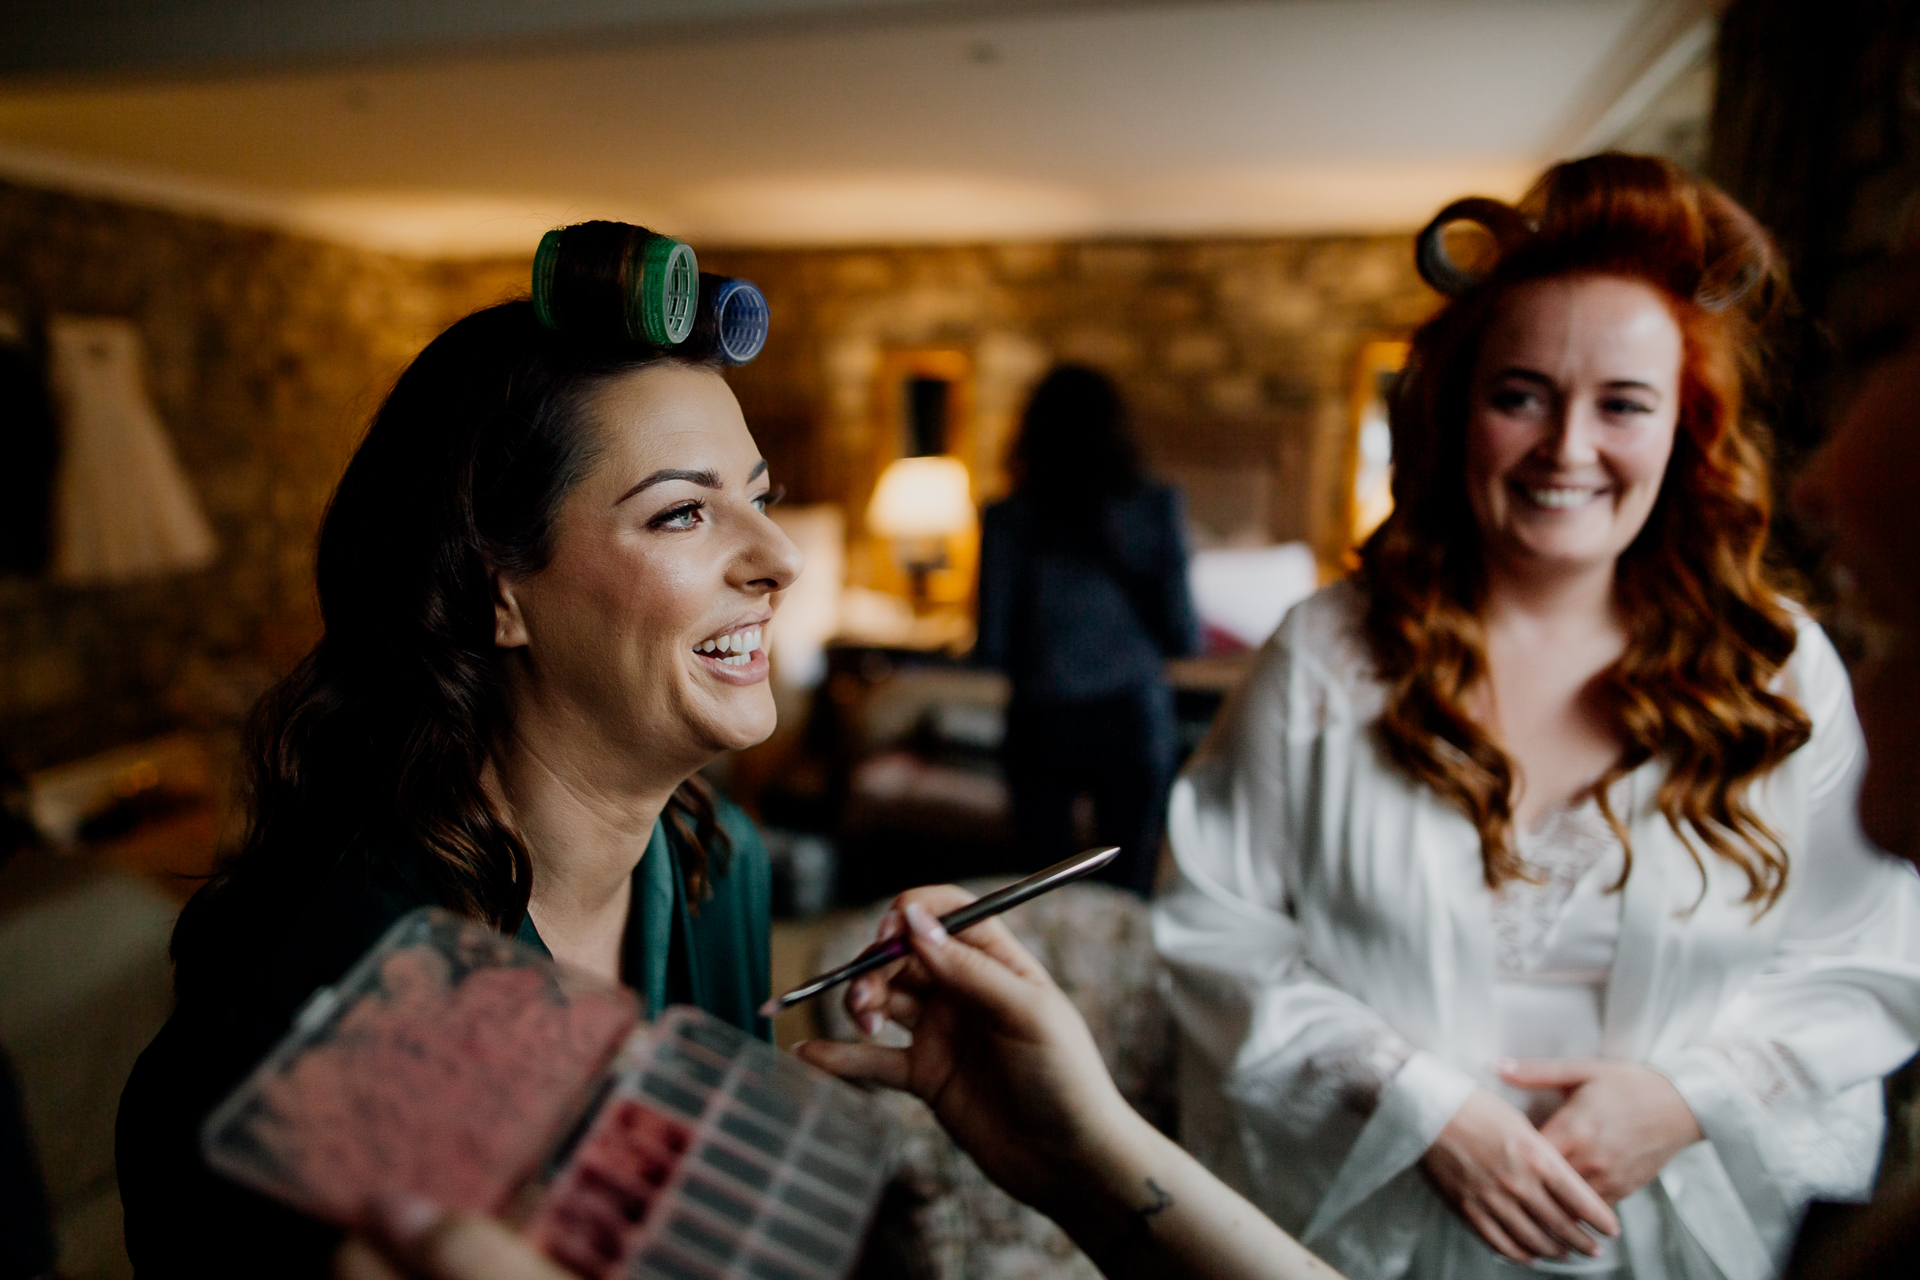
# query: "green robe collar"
x,y
716,960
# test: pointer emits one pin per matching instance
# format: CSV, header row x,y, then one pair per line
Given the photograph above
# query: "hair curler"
x,y
611,278
1507,225
733,318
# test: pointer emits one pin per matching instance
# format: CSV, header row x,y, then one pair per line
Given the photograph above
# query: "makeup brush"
x,y
1079,865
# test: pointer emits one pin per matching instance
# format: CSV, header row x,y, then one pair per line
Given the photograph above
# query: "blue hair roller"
x,y
737,312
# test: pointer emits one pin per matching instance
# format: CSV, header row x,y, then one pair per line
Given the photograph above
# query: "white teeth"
x,y
1559,499
740,646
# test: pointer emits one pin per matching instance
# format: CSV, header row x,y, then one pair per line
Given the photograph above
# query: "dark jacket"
x,y
182,1219
1085,612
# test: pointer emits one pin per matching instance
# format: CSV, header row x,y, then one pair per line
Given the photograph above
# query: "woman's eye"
x,y
1620,408
684,516
771,498
1513,399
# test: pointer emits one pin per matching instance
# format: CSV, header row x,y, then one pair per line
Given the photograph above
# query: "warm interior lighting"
x,y
919,504
921,498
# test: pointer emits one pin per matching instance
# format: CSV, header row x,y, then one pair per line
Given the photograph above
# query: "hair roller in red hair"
x,y
1500,220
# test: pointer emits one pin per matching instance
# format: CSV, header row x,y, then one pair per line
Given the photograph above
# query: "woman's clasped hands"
x,y
1540,1193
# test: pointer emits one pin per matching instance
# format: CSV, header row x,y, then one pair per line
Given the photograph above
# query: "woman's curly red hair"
x,y
1709,627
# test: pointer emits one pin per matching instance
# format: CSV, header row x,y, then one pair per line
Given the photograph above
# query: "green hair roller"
x,y
613,279
545,258
663,292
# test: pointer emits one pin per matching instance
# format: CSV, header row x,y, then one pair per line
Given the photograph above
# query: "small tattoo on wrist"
x,y
1159,1200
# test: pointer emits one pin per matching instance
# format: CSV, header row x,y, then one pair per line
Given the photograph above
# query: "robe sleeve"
x,y
1308,1067
1788,1074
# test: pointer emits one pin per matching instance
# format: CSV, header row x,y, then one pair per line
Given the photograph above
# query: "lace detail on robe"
x,y
1559,854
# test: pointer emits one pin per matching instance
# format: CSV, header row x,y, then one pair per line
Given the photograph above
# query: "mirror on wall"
x,y
922,408
1370,491
926,404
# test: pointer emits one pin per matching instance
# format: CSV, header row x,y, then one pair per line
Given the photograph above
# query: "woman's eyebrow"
x,y
706,478
1525,375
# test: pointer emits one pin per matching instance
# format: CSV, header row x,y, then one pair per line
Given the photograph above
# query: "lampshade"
x,y
921,498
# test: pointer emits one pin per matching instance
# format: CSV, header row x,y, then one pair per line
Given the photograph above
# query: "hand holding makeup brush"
x,y
999,1051
1012,1073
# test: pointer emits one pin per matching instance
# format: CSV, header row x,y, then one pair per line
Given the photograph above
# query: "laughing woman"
x,y
544,579
1523,913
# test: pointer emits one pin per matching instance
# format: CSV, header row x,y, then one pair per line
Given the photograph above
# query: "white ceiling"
x,y
764,122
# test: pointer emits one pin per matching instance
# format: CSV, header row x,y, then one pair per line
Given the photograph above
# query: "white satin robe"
x,y
1328,906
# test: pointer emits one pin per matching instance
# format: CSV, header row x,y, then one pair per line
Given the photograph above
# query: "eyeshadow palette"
x,y
459,1065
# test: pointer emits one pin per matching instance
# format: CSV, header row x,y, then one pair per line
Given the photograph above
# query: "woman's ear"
x,y
509,627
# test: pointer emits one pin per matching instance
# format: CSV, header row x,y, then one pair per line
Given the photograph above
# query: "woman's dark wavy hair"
x,y
389,722
1708,623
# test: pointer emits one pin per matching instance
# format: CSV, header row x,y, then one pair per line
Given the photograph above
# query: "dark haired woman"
x,y
545,577
1083,596
1523,915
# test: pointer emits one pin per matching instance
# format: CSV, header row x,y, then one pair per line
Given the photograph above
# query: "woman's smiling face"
x,y
647,626
1573,405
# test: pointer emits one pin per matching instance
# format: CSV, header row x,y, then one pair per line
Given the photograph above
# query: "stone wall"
x,y
267,353
1238,356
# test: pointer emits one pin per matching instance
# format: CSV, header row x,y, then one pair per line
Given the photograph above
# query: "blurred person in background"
x,y
1523,913
1083,598
1865,485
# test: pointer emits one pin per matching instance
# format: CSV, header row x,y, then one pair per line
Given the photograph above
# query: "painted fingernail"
x,y
403,1219
890,927
921,921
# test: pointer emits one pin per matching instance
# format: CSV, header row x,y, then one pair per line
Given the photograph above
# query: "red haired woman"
x,y
1523,914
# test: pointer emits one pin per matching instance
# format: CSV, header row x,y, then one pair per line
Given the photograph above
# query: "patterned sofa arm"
x,y
940,1218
